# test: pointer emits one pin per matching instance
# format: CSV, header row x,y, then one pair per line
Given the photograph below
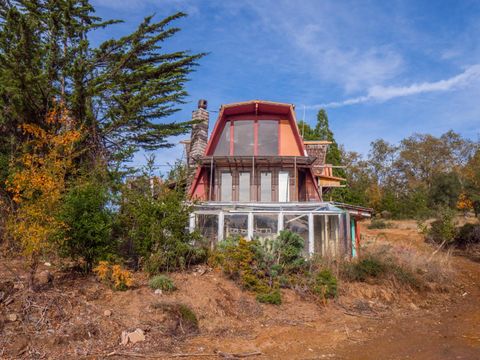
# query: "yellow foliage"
x,y
114,275
39,182
102,270
464,203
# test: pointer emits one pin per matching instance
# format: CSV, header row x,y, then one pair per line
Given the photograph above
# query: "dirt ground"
x,y
79,318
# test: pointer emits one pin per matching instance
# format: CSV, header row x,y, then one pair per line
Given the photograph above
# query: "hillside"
x,y
78,317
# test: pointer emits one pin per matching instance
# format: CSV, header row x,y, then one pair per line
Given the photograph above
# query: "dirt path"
x,y
449,333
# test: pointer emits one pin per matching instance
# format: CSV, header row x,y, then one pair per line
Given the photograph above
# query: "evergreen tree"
x,y
119,92
322,131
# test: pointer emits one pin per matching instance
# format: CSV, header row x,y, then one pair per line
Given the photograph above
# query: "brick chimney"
x,y
199,137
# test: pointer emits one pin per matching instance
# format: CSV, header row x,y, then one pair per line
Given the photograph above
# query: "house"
x,y
255,176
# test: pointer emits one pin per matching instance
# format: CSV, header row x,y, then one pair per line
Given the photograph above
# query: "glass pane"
x,y
244,187
283,187
236,225
333,235
267,137
243,138
319,233
223,146
226,187
265,225
299,225
207,226
265,187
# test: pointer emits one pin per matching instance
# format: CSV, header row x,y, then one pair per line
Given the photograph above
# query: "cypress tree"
x,y
119,91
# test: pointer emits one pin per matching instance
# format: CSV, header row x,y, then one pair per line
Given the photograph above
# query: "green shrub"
x,y
406,277
273,297
325,284
363,269
162,282
442,230
468,234
151,225
288,249
88,223
379,224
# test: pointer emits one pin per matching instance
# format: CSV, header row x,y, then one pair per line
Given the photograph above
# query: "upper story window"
x,y
223,146
267,137
243,137
249,138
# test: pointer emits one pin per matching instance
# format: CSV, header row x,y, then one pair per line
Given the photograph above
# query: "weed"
x,y
162,282
273,297
183,318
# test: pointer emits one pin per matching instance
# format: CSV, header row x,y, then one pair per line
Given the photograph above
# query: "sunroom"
x,y
327,229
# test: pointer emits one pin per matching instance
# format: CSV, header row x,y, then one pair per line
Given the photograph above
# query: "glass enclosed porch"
x,y
326,229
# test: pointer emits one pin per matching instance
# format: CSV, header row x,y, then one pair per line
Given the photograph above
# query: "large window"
x,y
318,233
243,137
244,186
223,146
265,186
265,225
207,225
267,137
226,187
235,225
283,186
299,225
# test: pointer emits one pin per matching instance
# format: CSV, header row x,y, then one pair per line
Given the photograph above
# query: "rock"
x,y
413,306
107,313
18,286
132,337
47,264
158,292
12,317
44,278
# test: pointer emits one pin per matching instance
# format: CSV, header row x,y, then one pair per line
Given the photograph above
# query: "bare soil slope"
x,y
69,320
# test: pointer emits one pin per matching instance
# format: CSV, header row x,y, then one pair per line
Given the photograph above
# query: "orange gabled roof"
x,y
257,107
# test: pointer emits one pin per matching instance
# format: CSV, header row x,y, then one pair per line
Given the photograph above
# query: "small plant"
x,y
325,284
184,322
442,231
163,283
114,276
273,297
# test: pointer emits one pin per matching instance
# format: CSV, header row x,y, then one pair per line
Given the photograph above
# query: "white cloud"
x,y
383,93
329,42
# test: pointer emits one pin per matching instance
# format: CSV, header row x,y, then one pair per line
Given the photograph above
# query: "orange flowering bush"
x,y
114,275
38,182
464,203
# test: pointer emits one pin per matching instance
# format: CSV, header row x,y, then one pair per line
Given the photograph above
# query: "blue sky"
x,y
382,69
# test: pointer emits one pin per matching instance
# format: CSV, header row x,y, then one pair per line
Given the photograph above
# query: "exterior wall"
x,y
201,191
301,185
288,144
